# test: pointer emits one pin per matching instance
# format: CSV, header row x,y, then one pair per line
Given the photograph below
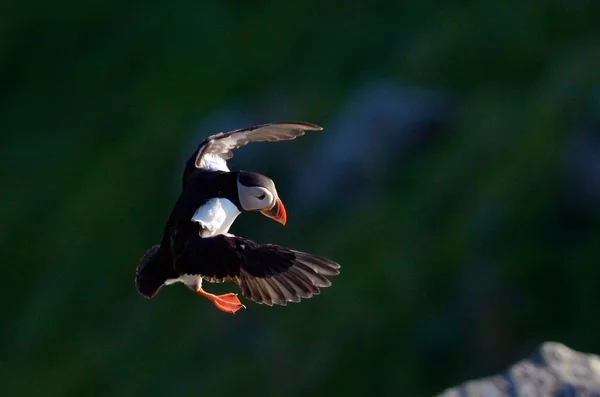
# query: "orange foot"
x,y
229,303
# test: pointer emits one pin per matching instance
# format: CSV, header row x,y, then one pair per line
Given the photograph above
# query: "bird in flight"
x,y
196,245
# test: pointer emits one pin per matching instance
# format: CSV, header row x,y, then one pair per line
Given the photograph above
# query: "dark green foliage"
x,y
469,256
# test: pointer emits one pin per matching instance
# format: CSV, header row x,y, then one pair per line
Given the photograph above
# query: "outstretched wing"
x,y
266,273
217,149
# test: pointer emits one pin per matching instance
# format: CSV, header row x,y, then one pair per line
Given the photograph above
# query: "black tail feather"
x,y
152,272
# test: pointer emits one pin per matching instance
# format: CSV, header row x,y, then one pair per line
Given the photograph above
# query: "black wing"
x,y
220,145
266,273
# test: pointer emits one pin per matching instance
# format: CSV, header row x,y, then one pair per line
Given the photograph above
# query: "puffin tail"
x,y
152,272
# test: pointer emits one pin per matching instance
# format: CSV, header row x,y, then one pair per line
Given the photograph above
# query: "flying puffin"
x,y
196,245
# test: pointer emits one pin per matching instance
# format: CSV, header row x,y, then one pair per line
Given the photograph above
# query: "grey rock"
x,y
554,370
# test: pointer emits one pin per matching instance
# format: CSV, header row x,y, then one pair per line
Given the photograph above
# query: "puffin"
x,y
196,245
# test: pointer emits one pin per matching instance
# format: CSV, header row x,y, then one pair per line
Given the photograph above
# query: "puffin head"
x,y
256,192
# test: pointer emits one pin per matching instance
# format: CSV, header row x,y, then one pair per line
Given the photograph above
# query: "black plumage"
x,y
266,273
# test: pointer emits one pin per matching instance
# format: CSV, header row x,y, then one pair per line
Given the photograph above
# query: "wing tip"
x,y
320,264
298,283
302,125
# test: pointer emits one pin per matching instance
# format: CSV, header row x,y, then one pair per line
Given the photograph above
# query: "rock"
x,y
554,370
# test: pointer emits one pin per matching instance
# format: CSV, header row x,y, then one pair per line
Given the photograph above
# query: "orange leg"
x,y
228,303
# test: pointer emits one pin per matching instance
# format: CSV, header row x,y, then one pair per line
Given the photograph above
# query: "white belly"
x,y
192,281
216,216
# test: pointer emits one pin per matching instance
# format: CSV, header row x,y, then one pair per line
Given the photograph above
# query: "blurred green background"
x,y
457,181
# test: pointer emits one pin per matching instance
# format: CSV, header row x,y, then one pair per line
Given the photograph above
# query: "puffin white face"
x,y
257,193
255,198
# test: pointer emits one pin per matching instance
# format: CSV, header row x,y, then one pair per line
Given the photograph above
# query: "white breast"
x,y
216,216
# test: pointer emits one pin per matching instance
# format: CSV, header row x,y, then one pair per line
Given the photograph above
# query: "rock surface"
x,y
554,370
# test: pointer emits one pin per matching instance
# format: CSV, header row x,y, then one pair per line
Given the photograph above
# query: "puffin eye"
x,y
262,196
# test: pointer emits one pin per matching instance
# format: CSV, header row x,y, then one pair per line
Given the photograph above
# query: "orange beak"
x,y
277,212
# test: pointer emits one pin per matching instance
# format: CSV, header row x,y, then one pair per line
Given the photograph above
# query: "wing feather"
x,y
266,273
286,290
218,148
